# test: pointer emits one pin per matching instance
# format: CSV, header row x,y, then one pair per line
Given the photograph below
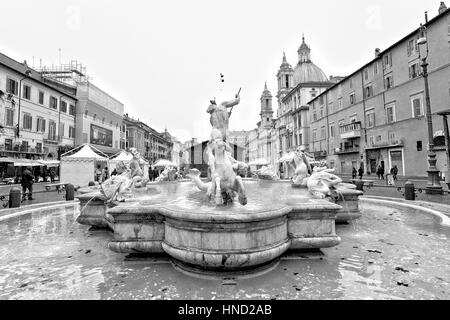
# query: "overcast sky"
x,y
163,59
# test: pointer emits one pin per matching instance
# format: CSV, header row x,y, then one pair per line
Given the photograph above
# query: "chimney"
x,y
426,16
377,52
442,7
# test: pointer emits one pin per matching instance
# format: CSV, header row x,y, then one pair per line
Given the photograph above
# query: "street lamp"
x,y
433,184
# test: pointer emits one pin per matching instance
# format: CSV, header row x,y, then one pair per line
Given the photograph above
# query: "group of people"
x,y
359,172
102,175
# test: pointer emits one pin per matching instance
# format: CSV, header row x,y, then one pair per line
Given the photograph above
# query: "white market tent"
x,y
126,157
79,168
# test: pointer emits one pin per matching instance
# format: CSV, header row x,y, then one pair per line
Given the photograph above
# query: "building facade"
x,y
377,115
37,119
98,114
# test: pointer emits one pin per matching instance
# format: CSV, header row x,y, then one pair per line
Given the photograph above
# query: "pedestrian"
x,y
360,172
105,174
27,184
52,176
379,172
382,172
354,173
395,172
98,174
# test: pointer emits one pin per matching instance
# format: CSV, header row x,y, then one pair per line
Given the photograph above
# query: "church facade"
x,y
278,136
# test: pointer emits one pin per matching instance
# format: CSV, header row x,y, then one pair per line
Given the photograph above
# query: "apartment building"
x,y
377,115
37,118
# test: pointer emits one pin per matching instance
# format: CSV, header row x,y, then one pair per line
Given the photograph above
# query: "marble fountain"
x,y
226,224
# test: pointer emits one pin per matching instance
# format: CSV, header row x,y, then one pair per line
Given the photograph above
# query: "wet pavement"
x,y
387,254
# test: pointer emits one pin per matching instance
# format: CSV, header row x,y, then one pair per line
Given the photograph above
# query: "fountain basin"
x,y
93,210
348,199
231,238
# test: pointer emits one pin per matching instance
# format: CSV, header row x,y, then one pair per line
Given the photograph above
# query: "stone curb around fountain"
x,y
434,209
223,241
41,208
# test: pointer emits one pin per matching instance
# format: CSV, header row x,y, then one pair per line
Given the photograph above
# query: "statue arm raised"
x,y
231,103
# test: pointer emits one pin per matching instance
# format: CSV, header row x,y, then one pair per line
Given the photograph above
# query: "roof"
x,y
85,152
308,72
34,75
414,32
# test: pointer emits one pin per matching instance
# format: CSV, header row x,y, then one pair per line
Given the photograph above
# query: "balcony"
x,y
347,150
350,131
386,144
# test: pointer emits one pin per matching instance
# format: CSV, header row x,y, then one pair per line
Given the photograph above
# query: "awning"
x,y
22,162
162,163
49,163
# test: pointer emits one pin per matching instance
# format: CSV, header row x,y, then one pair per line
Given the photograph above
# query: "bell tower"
x,y
266,108
285,79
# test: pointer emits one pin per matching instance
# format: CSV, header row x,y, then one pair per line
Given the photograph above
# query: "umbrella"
x,y
164,163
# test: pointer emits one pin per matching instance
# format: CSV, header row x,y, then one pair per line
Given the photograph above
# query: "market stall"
x,y
79,165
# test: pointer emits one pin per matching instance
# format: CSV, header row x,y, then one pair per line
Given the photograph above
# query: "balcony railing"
x,y
346,150
350,131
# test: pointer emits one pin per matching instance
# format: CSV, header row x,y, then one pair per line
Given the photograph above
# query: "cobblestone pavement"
x,y
387,254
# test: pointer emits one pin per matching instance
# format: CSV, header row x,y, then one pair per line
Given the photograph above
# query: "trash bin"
x,y
359,185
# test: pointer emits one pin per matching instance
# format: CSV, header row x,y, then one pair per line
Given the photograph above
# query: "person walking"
x,y
379,172
354,173
360,172
27,184
395,172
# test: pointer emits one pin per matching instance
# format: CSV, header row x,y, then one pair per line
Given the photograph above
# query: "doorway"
x,y
397,160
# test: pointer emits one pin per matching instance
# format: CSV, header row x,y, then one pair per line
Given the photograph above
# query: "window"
x,y
53,103
391,136
370,119
371,140
321,100
414,70
72,110
40,125
314,116
412,47
419,145
368,91
287,81
61,132
314,137
323,133
38,147
352,98
26,92
340,104
330,106
390,113
41,97
375,68
8,145
9,117
353,118
27,121
52,130
417,105
388,82
12,86
63,106
387,60
366,74
351,83
332,130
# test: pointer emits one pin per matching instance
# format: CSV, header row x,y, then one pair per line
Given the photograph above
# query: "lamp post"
x,y
433,184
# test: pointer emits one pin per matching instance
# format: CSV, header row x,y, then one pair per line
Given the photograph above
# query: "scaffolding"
x,y
71,73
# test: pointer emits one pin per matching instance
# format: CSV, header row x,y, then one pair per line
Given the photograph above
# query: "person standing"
x,y
379,172
354,173
98,174
360,172
105,174
52,176
27,184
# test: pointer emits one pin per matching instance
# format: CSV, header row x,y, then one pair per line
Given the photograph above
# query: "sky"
x,y
163,59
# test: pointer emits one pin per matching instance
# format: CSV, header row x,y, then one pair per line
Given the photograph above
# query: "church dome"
x,y
306,71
